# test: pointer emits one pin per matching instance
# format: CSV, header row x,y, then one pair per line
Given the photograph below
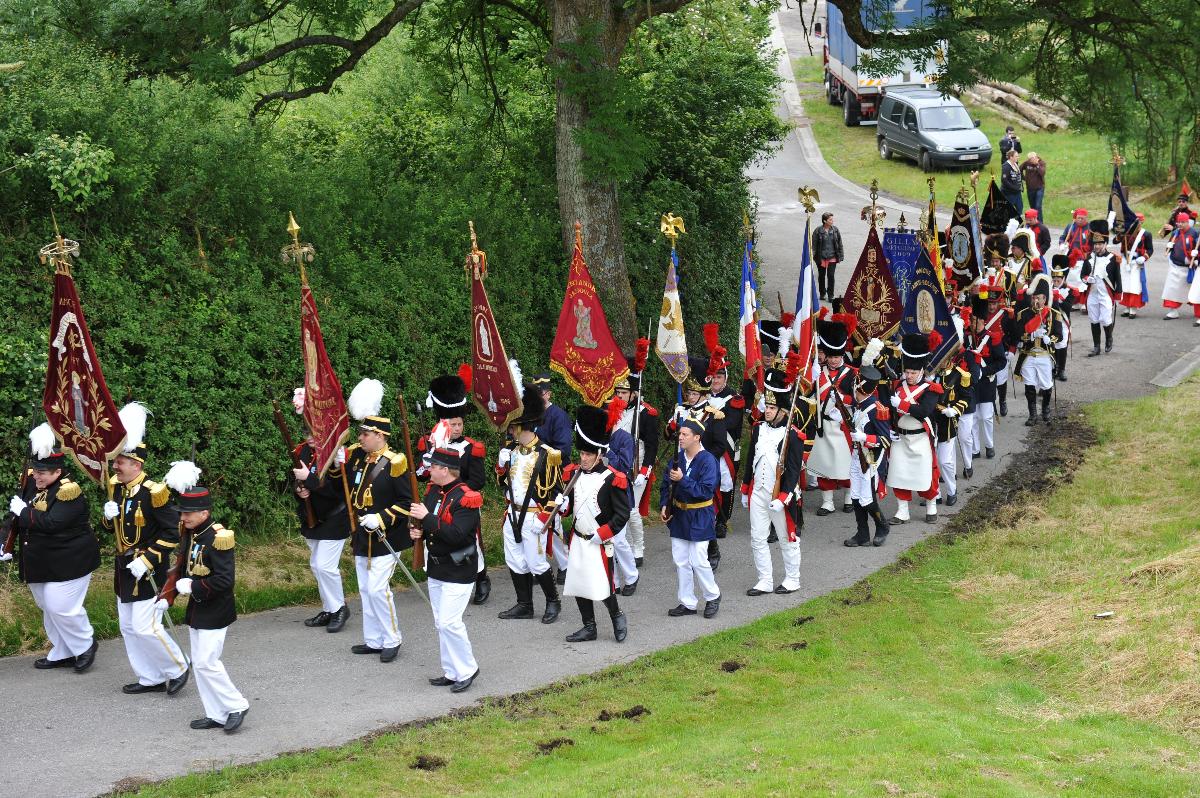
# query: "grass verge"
x,y
974,666
1078,164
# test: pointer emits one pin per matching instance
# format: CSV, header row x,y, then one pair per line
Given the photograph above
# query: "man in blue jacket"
x,y
686,505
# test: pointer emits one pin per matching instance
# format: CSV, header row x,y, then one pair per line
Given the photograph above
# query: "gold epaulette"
x,y
160,494
399,464
553,456
114,480
68,491
352,447
223,540
965,379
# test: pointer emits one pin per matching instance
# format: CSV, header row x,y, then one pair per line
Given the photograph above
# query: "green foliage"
x,y
76,169
188,303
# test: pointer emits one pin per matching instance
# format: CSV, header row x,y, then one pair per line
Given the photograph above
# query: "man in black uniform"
x,y
555,429
449,518
58,552
380,498
208,578
628,392
326,538
733,405
145,527
449,402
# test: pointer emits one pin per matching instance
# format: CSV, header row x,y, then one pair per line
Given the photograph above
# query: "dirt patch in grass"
x,y
636,711
426,762
549,746
732,666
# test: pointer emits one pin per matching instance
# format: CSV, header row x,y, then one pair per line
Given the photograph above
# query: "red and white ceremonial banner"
x,y
871,294
324,406
584,351
76,400
492,385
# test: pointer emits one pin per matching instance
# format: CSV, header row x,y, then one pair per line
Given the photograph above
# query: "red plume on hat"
x,y
716,361
935,340
848,319
615,408
823,312
640,353
787,319
464,374
794,361
711,331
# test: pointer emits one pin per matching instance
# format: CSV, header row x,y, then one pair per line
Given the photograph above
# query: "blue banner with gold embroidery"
x,y
902,249
926,311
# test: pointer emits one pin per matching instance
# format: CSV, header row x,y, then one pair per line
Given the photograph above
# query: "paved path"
x,y
65,735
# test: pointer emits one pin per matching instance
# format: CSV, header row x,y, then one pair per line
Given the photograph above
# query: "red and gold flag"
x,y
78,405
324,405
584,351
871,295
492,384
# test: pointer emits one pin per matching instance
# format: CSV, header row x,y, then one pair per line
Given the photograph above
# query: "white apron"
x,y
587,576
910,464
830,456
1175,289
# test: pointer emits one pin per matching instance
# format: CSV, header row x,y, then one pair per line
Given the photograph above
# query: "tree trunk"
x,y
582,196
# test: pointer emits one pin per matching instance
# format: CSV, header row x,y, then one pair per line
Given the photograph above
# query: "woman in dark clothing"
x,y
827,250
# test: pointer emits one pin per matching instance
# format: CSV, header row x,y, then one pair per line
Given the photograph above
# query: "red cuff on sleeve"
x,y
871,440
746,488
605,532
783,497
543,517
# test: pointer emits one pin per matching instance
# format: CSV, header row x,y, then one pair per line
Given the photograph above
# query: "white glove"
x,y
340,457
858,437
184,586
6,556
762,403
161,605
1140,260
111,510
776,506
1040,332
17,505
1046,339
949,412
138,567
639,481
895,400
370,520
745,502
1091,279
562,501
503,458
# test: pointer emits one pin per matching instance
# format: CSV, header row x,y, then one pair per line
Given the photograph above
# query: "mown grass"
x,y
974,667
1078,164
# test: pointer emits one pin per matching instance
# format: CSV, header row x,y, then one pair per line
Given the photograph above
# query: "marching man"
x,y
956,387
57,553
599,500
380,498
871,436
448,399
1139,247
830,458
1102,274
531,476
1040,331
647,432
988,356
912,464
207,579
145,527
732,406
1181,255
448,519
326,538
770,485
686,506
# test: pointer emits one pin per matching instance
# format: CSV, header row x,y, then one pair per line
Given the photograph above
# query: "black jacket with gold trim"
x,y
56,540
210,566
381,489
956,385
449,531
328,500
147,526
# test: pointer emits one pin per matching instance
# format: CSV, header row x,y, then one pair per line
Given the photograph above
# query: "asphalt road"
x,y
64,735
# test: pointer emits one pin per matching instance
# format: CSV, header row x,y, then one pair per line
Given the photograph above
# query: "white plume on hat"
x,y
133,418
42,440
515,369
871,351
182,476
366,399
1011,228
298,401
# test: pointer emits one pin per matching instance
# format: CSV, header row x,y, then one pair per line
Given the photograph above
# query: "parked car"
x,y
933,130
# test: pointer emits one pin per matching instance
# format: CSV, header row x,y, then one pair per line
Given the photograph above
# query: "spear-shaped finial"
x,y
296,252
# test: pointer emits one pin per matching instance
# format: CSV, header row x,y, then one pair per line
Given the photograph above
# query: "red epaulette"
x,y
477,448
471,499
421,443
881,412
651,409
620,481
569,470
935,387
738,402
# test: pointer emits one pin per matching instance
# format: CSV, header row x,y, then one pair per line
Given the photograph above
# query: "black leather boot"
x,y
523,583
483,588
863,536
1046,406
714,555
584,634
553,604
1095,341
1108,337
881,524
1031,401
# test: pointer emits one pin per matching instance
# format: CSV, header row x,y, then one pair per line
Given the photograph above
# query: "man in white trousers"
x,y
648,432
145,528
769,504
325,525
56,553
686,505
448,518
208,580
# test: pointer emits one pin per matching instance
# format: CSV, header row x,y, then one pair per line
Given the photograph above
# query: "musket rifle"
x,y
309,516
8,527
419,543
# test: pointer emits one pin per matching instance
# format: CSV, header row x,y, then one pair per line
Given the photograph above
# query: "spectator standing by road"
x,y
1009,141
827,247
1010,180
1033,170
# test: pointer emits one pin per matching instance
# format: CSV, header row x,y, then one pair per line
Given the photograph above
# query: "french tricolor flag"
x,y
808,305
750,346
